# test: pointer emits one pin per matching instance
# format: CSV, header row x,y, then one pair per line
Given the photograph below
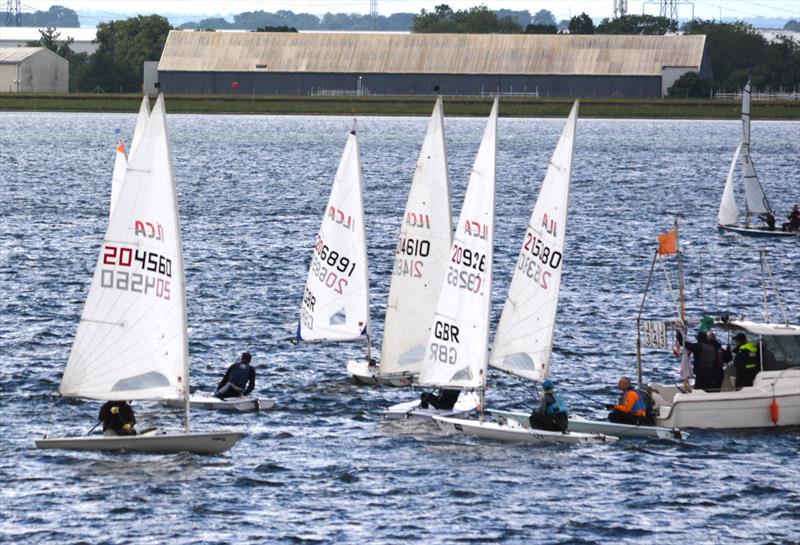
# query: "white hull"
x,y
363,373
757,232
621,431
240,404
410,410
742,409
510,429
166,443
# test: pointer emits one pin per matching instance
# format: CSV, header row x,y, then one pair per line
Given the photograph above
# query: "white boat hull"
x,y
410,410
621,431
756,232
163,443
509,429
368,375
239,404
740,409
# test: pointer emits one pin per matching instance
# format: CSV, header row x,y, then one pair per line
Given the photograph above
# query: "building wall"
x,y
272,83
44,72
8,78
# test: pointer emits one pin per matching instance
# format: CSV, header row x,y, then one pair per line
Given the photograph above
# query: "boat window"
x,y
780,351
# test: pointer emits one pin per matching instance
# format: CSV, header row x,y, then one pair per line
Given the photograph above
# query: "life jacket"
x,y
638,408
558,405
707,356
647,400
752,361
240,375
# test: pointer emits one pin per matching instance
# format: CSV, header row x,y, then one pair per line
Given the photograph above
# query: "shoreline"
x,y
455,106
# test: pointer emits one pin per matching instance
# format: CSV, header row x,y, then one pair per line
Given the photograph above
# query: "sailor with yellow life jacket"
x,y
631,407
746,361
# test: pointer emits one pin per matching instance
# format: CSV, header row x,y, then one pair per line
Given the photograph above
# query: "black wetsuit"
x,y
445,401
239,380
116,420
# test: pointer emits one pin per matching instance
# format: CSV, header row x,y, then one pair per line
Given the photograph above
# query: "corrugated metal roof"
x,y
13,55
429,53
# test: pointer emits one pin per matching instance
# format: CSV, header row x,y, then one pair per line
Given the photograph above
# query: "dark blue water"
x,y
322,467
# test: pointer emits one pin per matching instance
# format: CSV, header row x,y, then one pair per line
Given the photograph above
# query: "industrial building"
x,y
83,38
421,64
32,70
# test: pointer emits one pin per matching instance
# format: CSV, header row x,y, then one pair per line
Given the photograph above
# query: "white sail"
x,y
120,165
457,349
131,341
421,258
755,198
141,119
728,213
121,161
524,340
336,297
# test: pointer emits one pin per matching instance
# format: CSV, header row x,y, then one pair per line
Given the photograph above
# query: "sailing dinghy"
x,y
756,202
208,401
420,265
523,343
335,304
458,339
132,340
121,159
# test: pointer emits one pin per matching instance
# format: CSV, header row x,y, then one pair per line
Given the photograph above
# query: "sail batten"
x,y
457,348
132,340
524,339
421,256
335,303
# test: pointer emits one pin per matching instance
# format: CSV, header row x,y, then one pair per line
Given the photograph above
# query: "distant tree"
x,y
275,29
647,25
541,29
563,24
690,85
475,20
581,24
214,22
122,48
56,16
399,21
543,17
792,25
522,18
49,38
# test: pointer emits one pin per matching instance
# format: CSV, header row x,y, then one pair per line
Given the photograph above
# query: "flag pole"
x,y
680,272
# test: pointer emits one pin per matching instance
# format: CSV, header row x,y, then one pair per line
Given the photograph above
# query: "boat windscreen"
x,y
780,351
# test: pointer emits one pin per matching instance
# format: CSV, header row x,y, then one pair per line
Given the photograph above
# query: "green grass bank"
x,y
401,105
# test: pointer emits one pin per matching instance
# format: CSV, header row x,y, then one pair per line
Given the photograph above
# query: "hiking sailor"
x,y
239,379
552,412
117,418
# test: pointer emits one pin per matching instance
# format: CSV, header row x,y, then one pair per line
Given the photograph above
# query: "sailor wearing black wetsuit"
x,y
239,379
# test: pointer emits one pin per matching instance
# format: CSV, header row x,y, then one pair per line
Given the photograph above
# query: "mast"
x,y
680,273
639,321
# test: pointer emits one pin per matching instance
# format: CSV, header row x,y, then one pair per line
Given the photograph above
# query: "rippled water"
x,y
322,467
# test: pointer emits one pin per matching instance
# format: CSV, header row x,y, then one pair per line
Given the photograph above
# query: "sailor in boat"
x,y
708,359
239,379
794,220
552,412
631,407
445,400
117,418
746,361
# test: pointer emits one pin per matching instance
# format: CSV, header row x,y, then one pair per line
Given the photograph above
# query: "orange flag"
x,y
668,243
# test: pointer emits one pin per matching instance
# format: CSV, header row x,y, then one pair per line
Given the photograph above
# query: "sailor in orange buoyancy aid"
x,y
630,409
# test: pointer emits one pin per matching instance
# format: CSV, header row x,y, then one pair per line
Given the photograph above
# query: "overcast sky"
x,y
562,9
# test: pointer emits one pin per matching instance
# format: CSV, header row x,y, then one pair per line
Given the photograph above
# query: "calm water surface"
x,y
322,467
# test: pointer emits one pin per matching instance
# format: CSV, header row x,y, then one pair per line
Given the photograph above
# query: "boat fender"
x,y
774,411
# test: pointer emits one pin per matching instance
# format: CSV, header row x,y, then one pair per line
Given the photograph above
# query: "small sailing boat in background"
x,y
523,344
755,202
336,296
132,340
456,351
420,265
121,158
